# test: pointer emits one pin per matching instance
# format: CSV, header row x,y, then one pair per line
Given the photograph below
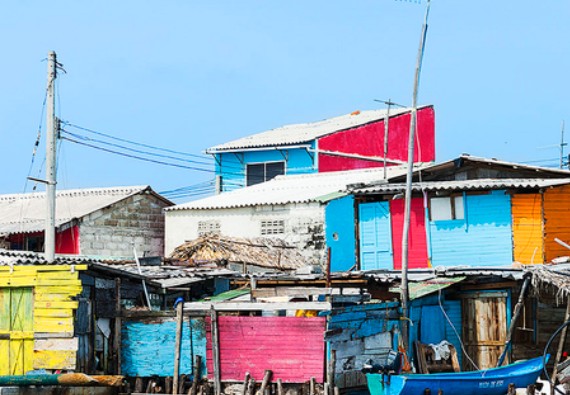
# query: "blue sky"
x,y
186,75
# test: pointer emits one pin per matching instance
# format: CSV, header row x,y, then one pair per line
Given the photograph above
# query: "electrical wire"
x,y
134,142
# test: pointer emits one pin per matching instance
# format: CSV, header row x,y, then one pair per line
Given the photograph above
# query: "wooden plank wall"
x,y
147,346
528,242
54,286
292,347
556,224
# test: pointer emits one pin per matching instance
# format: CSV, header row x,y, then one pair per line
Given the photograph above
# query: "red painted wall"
x,y
292,347
66,242
417,241
368,140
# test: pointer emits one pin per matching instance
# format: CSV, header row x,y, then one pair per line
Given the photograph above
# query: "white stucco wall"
x,y
304,225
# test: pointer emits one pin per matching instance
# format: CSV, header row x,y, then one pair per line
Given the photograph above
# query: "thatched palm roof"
x,y
264,252
555,278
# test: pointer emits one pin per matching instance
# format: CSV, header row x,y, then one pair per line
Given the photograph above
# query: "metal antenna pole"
x,y
389,103
562,145
51,136
408,195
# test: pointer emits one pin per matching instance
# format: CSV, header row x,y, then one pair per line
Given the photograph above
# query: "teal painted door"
x,y
375,236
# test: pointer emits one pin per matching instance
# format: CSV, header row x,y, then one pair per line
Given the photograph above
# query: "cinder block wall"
x,y
113,231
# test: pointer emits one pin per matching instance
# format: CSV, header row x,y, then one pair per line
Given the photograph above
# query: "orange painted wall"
x,y
556,221
527,228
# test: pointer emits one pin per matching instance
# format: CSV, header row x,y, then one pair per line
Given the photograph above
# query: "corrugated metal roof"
x,y
164,276
23,213
303,188
464,185
9,258
305,132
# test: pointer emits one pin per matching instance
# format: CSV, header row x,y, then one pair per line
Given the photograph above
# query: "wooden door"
x,y
484,327
16,330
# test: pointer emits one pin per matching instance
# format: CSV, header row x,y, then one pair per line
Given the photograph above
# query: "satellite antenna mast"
x,y
562,145
389,103
408,195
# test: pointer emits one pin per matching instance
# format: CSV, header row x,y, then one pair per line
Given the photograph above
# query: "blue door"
x,y
375,236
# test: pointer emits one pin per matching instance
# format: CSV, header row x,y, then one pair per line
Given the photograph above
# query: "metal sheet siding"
x,y
417,241
368,140
291,347
483,238
528,242
232,166
143,350
340,233
556,223
375,236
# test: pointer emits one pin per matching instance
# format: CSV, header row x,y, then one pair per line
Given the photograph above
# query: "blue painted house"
x,y
347,142
462,213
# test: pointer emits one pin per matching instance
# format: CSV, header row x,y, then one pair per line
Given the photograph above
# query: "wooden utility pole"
x,y
51,137
177,344
408,195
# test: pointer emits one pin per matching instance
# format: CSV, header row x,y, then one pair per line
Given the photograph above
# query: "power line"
x,y
84,138
134,142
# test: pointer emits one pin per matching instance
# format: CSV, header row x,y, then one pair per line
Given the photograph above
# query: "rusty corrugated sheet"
x,y
556,223
528,242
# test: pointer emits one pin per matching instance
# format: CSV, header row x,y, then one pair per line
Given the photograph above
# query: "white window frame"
x,y
454,209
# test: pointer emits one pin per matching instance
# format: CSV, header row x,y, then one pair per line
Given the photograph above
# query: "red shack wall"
x,y
292,347
368,140
417,239
66,242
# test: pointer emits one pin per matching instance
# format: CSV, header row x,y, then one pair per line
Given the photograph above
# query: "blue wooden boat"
x,y
493,381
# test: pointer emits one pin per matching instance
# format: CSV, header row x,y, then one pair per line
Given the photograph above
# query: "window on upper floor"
x,y
446,208
260,172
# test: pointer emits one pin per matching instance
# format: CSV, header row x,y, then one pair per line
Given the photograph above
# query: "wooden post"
x,y
266,379
215,350
196,373
279,387
560,347
251,387
168,385
336,391
312,386
179,321
118,324
245,384
331,369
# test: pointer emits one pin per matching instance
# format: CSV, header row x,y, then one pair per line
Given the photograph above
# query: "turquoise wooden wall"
x,y
375,236
231,166
147,348
340,233
483,238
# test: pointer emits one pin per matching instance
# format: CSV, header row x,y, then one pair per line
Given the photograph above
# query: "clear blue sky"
x,y
189,74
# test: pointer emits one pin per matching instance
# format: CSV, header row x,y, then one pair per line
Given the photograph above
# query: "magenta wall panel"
x,y
292,347
368,140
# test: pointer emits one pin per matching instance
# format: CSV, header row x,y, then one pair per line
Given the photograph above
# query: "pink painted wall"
x,y
417,239
368,140
66,242
292,347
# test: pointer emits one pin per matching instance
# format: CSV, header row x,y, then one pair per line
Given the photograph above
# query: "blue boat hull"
x,y
483,382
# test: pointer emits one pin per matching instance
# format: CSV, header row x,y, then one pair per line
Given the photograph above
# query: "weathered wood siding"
x,y
556,223
483,238
357,334
36,315
147,346
528,239
292,347
484,327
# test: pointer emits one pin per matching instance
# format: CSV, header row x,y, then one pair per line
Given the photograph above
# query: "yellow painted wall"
x,y
556,221
43,337
527,228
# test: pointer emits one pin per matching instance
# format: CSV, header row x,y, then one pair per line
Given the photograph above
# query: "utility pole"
x,y
562,145
408,194
51,137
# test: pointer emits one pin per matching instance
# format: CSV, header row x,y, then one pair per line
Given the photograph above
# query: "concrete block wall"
x,y
113,231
